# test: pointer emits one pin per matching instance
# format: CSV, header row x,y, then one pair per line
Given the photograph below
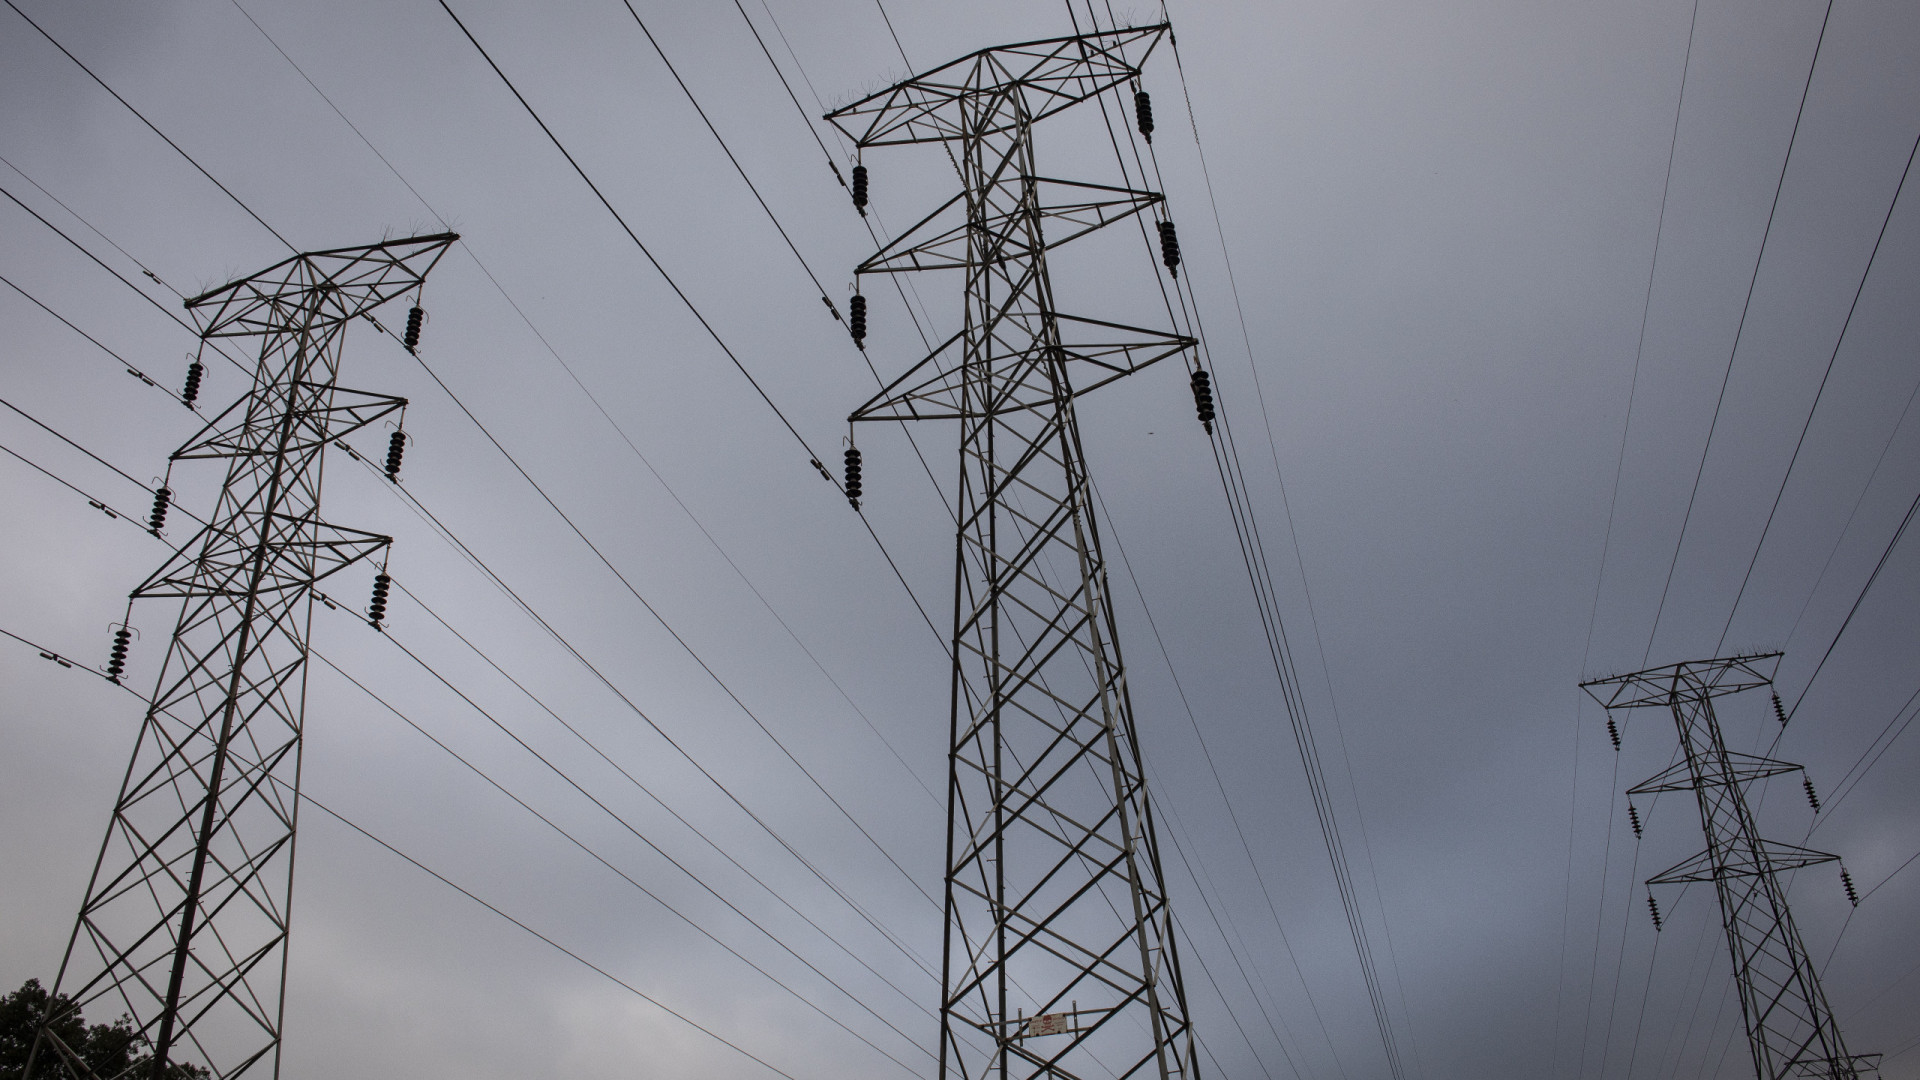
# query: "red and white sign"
x,y
1050,1024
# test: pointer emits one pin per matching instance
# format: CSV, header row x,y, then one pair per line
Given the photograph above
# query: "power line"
x,y
1233,480
100,506
813,458
136,112
1220,785
559,772
1845,325
604,973
715,132
675,634
631,235
1740,328
162,308
575,378
649,893
690,826
144,269
1855,609
1600,575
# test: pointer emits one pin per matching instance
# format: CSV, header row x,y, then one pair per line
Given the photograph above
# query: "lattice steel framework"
x,y
186,917
1059,953
1790,1028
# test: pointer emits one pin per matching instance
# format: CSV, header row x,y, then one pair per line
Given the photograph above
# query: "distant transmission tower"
x,y
1059,957
1790,1027
186,917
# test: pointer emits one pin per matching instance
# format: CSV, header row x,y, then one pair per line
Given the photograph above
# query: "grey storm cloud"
x,y
1443,323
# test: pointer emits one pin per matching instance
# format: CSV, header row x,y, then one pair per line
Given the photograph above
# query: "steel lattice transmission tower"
x,y
1790,1027
186,916
1059,956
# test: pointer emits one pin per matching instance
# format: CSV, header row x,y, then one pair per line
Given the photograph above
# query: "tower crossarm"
x,y
324,286
1791,1029
185,923
330,414
1048,75
1095,351
942,239
1740,768
1763,857
1689,680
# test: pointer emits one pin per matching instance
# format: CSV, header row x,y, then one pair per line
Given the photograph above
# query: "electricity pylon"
x,y
186,917
1790,1027
1059,955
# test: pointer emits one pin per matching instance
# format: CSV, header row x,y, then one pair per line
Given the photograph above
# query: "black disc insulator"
x,y
1846,880
396,448
1170,247
1633,815
1654,907
415,317
860,189
1203,398
857,319
852,485
1812,799
191,392
1143,113
118,661
1779,711
1613,732
162,500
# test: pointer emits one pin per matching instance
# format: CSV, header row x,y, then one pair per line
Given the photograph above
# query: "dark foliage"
x,y
109,1050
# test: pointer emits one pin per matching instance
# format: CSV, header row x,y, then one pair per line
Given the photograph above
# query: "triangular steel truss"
x,y
184,926
1791,1030
1059,957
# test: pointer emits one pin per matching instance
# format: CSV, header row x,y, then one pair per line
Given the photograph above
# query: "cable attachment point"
x,y
860,189
1203,397
396,448
191,392
1170,247
1633,815
1143,114
1613,731
117,660
1654,907
857,320
377,608
162,501
415,319
853,477
1846,880
1779,712
1812,799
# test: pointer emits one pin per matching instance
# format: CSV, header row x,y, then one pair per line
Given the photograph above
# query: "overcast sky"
x,y
1442,222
